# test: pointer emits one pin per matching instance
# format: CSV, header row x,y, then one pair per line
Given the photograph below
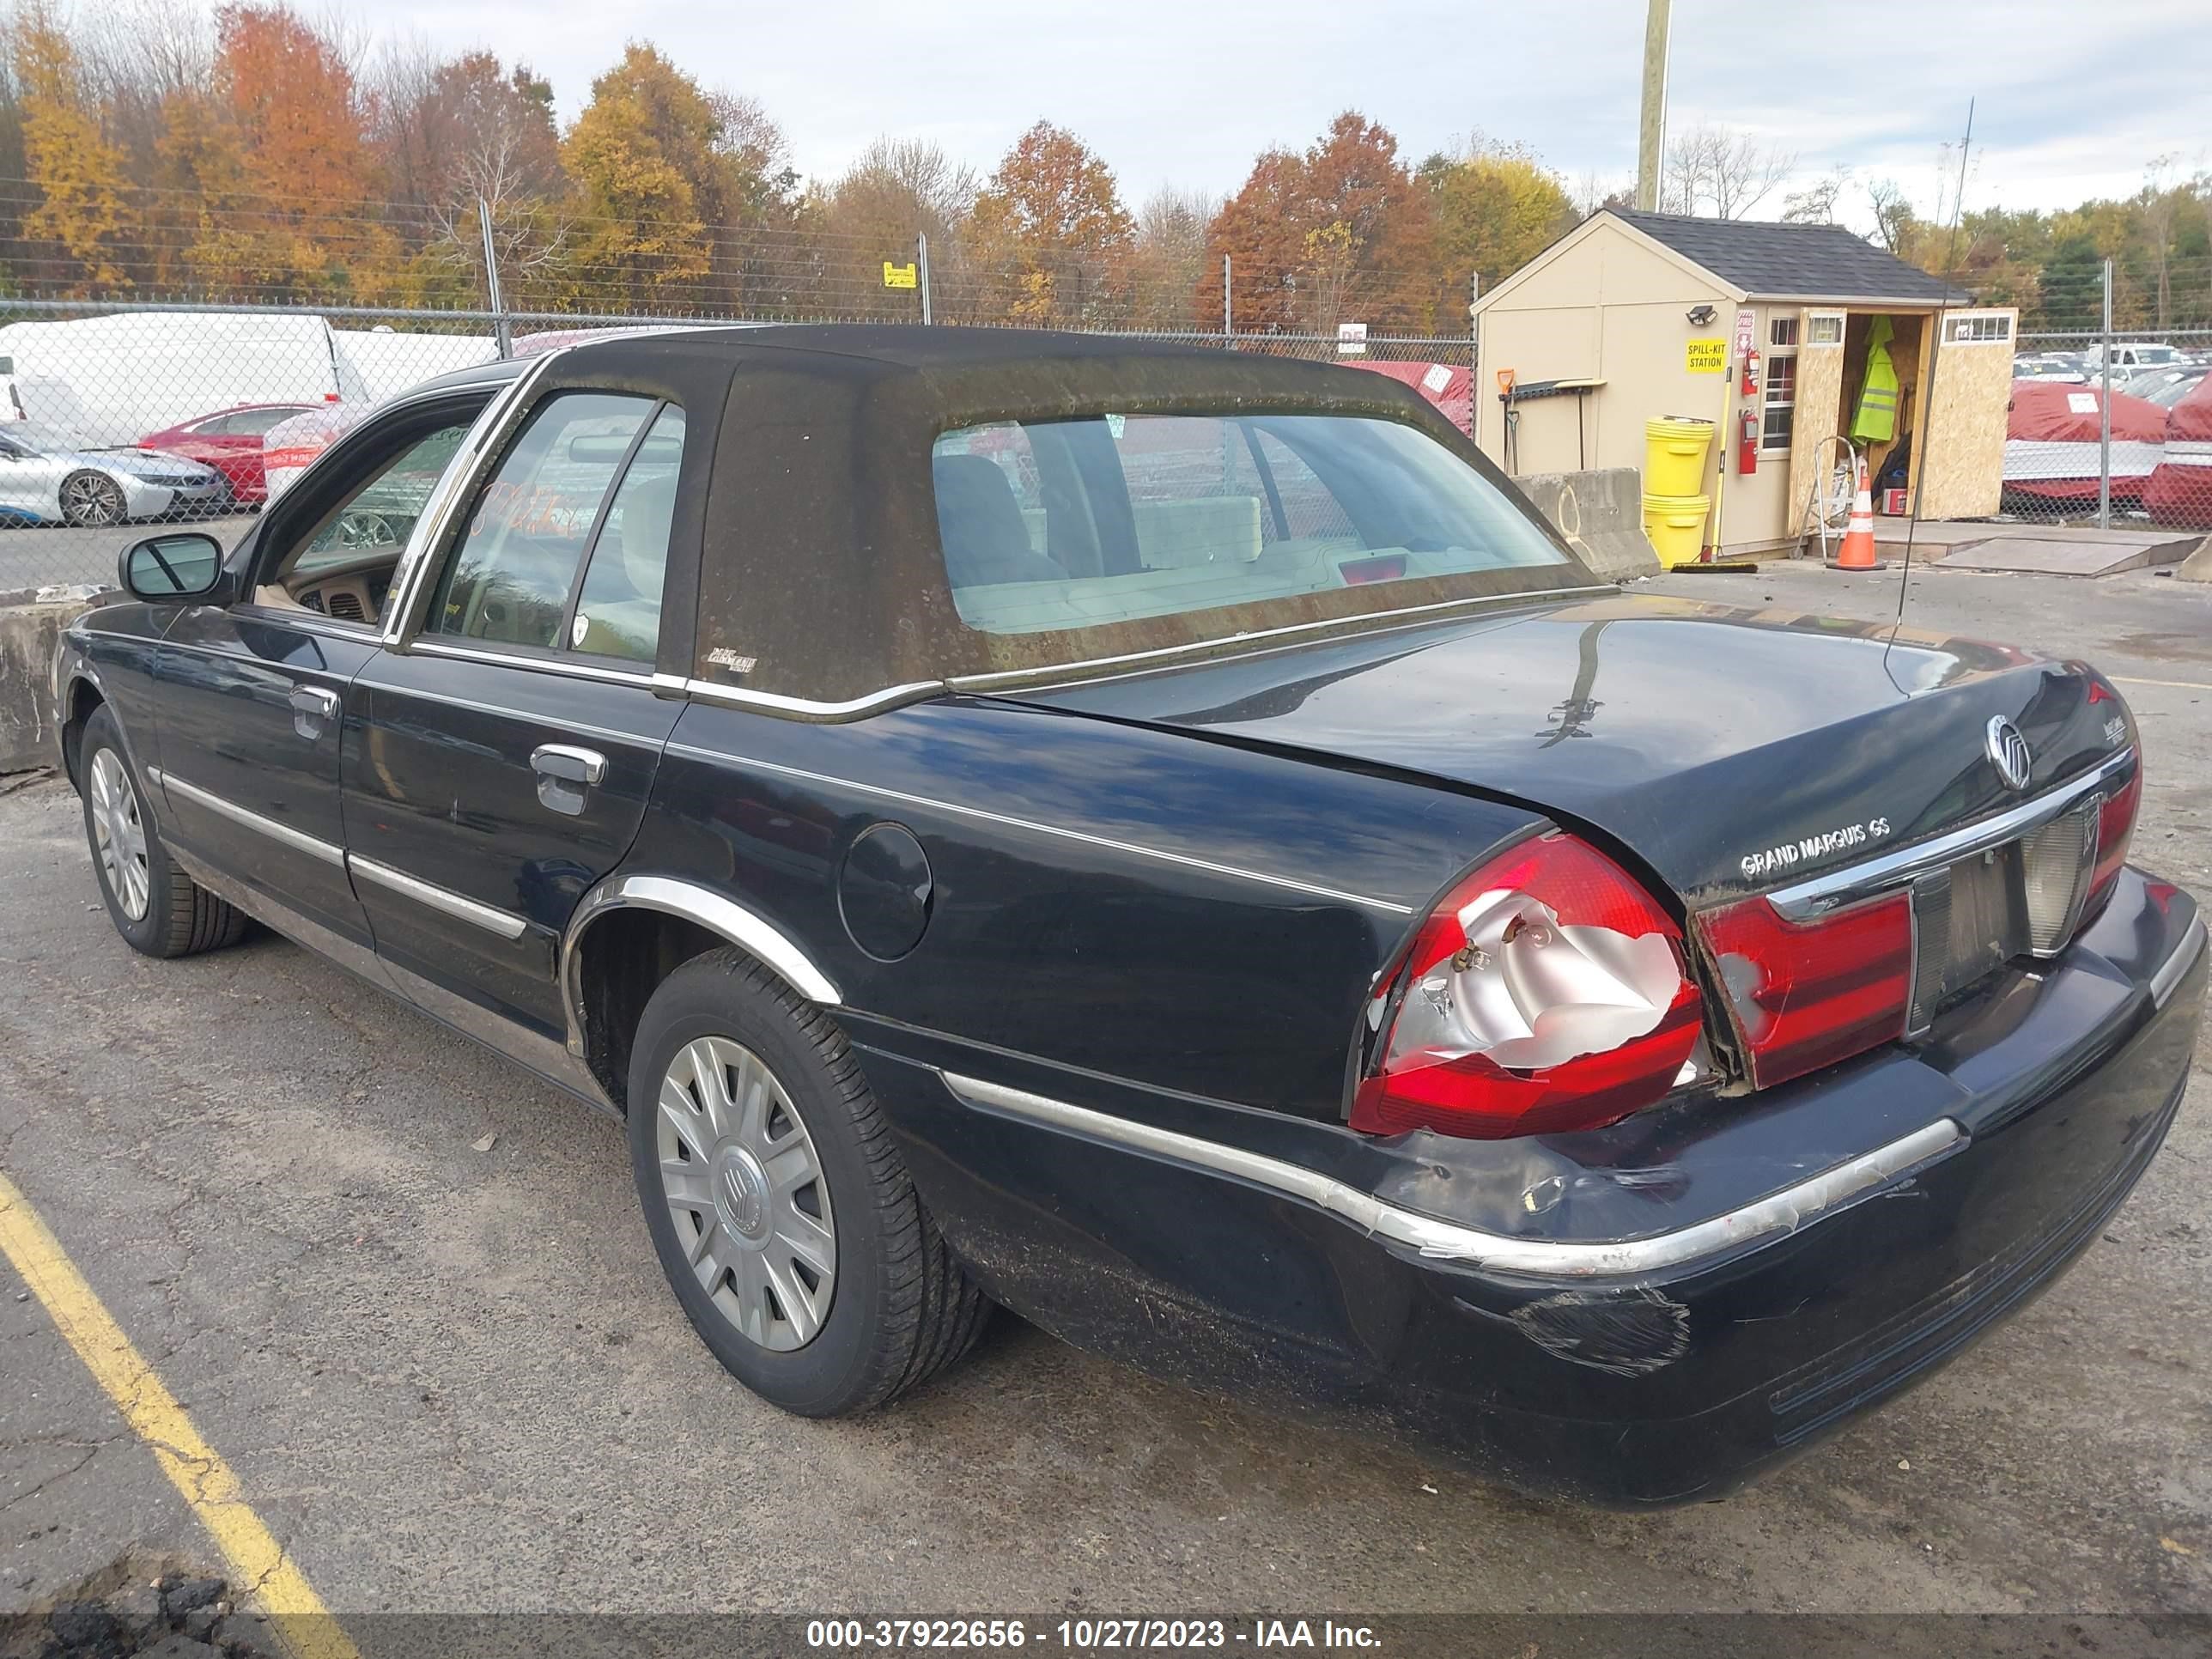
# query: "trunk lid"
x,y
1731,750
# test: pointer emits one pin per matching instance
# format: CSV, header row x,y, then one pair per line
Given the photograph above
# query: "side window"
x,y
527,534
344,563
618,612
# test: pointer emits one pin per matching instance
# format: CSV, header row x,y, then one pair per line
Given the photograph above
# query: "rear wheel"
x,y
91,499
157,907
781,1209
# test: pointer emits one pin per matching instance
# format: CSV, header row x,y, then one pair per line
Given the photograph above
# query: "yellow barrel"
x,y
1676,526
1675,447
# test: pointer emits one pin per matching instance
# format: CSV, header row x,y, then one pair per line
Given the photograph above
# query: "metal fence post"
x,y
2104,415
921,258
1228,316
500,328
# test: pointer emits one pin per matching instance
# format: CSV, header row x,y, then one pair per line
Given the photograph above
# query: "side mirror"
x,y
165,568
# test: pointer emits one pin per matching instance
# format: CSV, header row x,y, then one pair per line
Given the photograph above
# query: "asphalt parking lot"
x,y
53,555
404,1290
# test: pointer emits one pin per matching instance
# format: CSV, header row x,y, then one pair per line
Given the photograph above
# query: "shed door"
x,y
1964,458
1819,414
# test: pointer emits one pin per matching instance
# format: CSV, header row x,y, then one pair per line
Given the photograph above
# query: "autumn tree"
x,y
895,192
454,133
1496,208
1343,231
1720,171
1169,260
77,173
1049,233
280,152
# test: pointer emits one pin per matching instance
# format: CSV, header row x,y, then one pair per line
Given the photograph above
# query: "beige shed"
x,y
1632,315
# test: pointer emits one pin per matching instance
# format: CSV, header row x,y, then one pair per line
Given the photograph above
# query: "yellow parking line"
x,y
257,1562
2177,686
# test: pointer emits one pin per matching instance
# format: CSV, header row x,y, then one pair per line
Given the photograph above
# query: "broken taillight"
x,y
1803,994
2116,823
1545,992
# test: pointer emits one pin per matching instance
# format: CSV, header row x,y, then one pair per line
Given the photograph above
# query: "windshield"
x,y
37,436
1068,523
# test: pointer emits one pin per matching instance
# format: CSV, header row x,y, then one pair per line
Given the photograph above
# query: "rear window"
x,y
1070,524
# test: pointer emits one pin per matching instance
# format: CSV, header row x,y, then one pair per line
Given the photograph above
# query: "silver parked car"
x,y
45,478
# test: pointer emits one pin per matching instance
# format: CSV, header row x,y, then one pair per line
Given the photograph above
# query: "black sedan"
x,y
1169,842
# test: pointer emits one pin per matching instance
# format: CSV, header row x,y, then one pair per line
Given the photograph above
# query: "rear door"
x,y
504,748
253,696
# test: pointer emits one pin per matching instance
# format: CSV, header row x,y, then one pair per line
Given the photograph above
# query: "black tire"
x,y
902,1308
93,501
180,918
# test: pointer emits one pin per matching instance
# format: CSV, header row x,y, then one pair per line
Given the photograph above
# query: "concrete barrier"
x,y
2198,566
31,623
1600,513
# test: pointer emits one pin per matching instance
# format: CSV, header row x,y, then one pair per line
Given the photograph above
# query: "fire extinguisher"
x,y
1751,372
1747,441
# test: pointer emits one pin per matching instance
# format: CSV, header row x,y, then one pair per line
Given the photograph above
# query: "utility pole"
x,y
921,258
2104,415
1651,135
504,334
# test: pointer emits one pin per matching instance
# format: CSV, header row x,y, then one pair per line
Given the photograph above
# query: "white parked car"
x,y
45,478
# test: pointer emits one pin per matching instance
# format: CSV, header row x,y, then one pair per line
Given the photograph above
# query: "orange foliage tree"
x,y
78,173
1049,235
1342,233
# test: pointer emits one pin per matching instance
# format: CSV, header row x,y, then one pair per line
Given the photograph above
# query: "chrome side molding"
x,y
492,919
1830,1190
298,839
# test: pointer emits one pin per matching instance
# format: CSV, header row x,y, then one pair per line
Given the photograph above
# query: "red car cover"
x,y
2052,441
2179,488
1450,389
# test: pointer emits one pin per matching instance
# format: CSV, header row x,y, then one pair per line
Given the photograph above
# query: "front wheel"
x,y
91,501
159,910
781,1209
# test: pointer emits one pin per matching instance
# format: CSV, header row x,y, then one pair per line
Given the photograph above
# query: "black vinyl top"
x,y
1771,260
822,575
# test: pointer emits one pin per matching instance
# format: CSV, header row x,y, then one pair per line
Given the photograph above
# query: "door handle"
x,y
565,776
311,705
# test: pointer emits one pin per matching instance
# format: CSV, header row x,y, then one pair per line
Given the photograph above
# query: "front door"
x,y
498,763
252,696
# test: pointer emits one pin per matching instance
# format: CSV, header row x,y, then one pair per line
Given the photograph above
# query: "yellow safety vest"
x,y
1876,420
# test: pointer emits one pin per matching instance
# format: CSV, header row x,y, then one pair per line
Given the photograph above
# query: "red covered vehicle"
x,y
2179,491
2054,442
229,441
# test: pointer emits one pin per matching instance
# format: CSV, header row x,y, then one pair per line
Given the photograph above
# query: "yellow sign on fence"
x,y
1704,356
900,276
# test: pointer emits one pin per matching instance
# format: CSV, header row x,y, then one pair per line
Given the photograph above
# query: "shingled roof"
x,y
1810,262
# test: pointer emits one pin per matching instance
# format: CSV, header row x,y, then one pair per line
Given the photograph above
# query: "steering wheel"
x,y
361,529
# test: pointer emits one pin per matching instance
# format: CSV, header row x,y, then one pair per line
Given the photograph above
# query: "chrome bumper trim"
x,y
2175,968
1777,1212
1834,889
298,839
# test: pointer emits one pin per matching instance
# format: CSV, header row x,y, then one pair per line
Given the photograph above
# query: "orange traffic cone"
x,y
1857,551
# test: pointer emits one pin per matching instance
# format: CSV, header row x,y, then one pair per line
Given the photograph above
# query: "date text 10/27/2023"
x,y
1095,1635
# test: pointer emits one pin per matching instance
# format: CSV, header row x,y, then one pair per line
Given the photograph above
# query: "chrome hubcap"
x,y
119,834
745,1191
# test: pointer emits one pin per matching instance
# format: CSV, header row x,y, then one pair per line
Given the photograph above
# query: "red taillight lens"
x,y
2116,823
1545,994
1805,994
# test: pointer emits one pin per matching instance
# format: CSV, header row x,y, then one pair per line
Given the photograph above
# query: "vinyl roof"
x,y
1768,260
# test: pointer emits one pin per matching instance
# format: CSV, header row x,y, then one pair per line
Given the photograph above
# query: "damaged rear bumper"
x,y
1639,1316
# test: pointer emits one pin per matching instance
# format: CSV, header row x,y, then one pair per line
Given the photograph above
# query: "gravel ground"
x,y
450,1379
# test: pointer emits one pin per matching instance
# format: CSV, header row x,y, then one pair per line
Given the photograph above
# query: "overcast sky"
x,y
2074,98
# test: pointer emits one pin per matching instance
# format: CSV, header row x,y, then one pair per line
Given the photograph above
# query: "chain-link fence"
x,y
2111,428
115,415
